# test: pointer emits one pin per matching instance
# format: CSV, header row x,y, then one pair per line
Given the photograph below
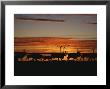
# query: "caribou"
x,y
73,55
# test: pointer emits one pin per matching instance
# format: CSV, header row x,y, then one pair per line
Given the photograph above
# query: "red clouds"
x,y
50,44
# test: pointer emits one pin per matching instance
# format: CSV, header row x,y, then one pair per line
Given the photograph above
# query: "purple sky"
x,y
82,26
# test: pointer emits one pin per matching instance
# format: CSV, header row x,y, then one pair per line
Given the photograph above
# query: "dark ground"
x,y
55,68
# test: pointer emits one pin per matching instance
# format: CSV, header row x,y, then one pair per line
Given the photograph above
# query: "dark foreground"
x,y
55,68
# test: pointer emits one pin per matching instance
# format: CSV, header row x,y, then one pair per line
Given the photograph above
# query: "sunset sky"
x,y
47,32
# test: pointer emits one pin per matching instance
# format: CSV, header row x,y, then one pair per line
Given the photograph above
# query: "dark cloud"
x,y
41,19
85,14
92,23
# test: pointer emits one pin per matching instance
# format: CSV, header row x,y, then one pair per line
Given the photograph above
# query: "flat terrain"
x,y
55,68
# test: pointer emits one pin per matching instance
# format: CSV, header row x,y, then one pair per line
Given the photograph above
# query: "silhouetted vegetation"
x,y
22,56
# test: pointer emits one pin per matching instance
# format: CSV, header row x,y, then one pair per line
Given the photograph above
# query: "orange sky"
x,y
52,44
50,32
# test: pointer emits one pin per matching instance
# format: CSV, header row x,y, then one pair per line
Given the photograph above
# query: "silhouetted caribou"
x,y
92,56
73,55
46,56
58,55
19,55
35,56
89,56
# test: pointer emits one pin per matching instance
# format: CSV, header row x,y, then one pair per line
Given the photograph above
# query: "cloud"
x,y
41,19
91,22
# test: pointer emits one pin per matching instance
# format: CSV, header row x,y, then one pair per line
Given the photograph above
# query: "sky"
x,y
47,32
56,25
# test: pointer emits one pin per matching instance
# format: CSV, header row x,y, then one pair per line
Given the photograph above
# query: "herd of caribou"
x,y
58,56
